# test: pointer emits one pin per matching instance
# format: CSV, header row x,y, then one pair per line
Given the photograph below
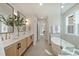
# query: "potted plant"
x,y
12,20
8,21
19,22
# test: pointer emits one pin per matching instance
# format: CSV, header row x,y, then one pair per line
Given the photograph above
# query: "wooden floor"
x,y
40,49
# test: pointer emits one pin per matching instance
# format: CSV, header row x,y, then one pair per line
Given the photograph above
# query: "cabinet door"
x,y
29,41
11,50
23,46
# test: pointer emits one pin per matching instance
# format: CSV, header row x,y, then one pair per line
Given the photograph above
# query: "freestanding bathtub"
x,y
59,44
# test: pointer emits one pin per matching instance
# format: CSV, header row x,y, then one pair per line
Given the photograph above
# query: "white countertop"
x,y
2,53
8,42
61,42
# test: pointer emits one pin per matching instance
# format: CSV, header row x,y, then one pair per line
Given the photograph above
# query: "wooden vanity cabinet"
x,y
29,41
17,48
11,50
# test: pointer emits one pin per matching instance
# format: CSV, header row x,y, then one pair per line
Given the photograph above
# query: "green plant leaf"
x,y
3,18
19,21
9,21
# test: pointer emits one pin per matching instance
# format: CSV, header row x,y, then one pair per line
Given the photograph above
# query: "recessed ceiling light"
x,y
41,4
62,6
63,3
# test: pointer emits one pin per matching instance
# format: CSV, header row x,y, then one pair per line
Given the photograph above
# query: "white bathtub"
x,y
61,42
57,43
68,49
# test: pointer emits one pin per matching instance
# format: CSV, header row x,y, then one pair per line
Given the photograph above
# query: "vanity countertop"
x,y
2,53
8,42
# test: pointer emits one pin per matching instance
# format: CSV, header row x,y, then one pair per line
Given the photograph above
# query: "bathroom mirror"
x,y
6,11
22,22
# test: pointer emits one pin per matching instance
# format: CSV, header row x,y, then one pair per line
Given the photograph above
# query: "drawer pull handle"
x,y
18,45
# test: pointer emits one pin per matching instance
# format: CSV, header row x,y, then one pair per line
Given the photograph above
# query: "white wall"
x,y
34,28
54,20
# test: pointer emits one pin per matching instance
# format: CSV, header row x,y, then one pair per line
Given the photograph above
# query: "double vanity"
x,y
15,34
16,47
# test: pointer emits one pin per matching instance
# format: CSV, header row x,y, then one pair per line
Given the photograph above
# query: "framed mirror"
x,y
6,11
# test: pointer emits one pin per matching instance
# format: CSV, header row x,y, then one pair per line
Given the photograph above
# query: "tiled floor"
x,y
40,49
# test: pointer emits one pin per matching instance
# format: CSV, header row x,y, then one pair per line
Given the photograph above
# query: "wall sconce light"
x,y
27,21
15,12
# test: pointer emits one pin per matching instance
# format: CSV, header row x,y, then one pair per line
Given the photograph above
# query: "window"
x,y
72,23
70,28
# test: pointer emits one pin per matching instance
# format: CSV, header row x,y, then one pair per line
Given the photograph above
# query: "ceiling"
x,y
36,9
51,10
67,6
